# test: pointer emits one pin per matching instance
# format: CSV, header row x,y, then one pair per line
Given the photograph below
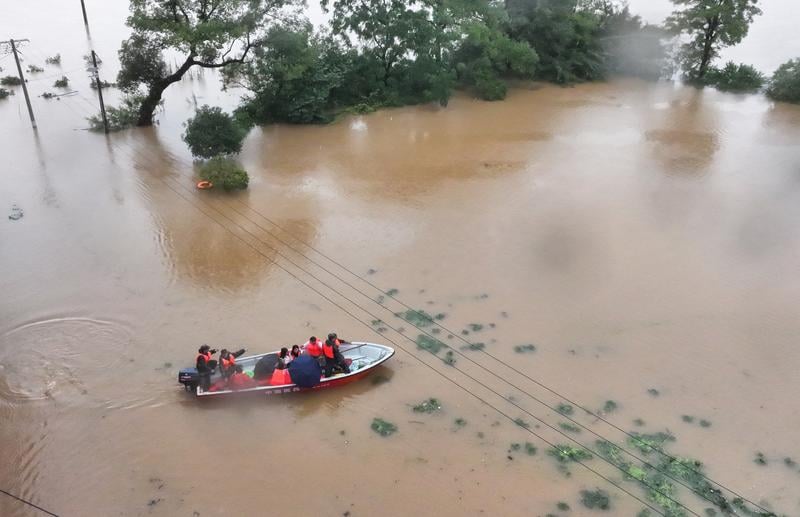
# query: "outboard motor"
x,y
189,378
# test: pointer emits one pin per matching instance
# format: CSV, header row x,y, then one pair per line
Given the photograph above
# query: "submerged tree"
x,y
711,26
207,33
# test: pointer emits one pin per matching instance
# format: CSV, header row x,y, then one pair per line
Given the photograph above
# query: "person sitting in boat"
x,y
283,359
334,360
205,365
227,362
294,354
313,348
240,380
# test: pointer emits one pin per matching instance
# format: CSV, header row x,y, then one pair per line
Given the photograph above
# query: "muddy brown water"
x,y
642,236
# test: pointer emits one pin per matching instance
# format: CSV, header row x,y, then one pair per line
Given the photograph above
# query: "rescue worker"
x,y
333,357
227,362
240,380
205,365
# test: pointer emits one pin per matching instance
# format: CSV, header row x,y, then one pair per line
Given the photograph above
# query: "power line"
x,y
48,512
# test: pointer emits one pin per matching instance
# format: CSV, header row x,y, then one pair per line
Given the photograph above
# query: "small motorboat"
x,y
361,357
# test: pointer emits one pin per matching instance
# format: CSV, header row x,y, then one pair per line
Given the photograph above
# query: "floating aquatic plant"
x,y
433,346
648,442
62,83
568,453
418,318
33,69
4,93
687,418
522,423
427,406
597,498
572,428
653,392
475,327
474,346
525,349
565,409
53,60
760,459
10,80
392,292
638,422
705,423
610,406
562,506
382,427
460,422
530,449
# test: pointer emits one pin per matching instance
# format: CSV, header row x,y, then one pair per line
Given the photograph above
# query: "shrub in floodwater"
x,y
653,392
53,60
224,172
530,449
103,84
524,349
638,422
4,93
565,409
418,318
522,423
440,316
62,83
562,506
10,80
568,453
33,69
789,462
382,427
610,406
648,442
597,498
735,78
449,358
48,95
212,132
427,406
474,347
687,418
430,344
760,459
392,292
121,117
785,82
612,453
705,423
475,327
460,422
572,428
514,447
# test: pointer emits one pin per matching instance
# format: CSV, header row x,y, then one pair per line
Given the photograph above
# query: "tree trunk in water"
x,y
708,47
150,102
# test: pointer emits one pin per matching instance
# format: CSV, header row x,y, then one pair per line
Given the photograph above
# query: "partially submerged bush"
x,y
10,80
53,60
427,406
224,172
785,82
568,453
596,498
213,132
735,78
383,427
103,84
33,69
122,117
4,93
62,83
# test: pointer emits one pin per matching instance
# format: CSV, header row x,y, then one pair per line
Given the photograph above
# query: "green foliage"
x,y
11,80
572,428
475,347
141,62
417,317
103,84
565,409
568,453
735,78
562,506
785,82
33,69
383,427
224,172
711,26
610,406
427,406
563,34
53,60
460,422
4,93
428,343
62,83
648,442
212,132
122,117
596,498
524,349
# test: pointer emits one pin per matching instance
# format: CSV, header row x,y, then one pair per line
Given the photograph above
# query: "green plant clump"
x,y
122,117
474,347
524,349
212,132
224,172
735,78
433,346
62,83
572,428
427,406
648,442
4,93
562,506
565,409
418,318
382,427
460,422
10,80
522,423
53,60
785,82
596,498
610,406
449,358
33,69
530,449
568,453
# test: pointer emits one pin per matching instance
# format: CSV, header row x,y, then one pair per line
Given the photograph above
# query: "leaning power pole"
x,y
96,73
22,78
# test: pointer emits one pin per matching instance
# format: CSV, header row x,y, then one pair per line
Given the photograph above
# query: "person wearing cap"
x,y
333,357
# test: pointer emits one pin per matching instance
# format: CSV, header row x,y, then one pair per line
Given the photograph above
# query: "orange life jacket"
x,y
313,349
328,349
240,380
230,362
280,377
206,357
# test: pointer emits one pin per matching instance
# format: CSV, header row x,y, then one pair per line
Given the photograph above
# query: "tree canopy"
x,y
710,25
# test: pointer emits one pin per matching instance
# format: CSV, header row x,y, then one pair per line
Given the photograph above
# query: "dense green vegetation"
x,y
213,132
785,83
735,78
224,172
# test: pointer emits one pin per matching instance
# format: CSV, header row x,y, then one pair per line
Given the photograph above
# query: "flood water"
x,y
643,236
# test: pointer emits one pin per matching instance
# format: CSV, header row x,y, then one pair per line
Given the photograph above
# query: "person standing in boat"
x,y
227,362
333,357
205,365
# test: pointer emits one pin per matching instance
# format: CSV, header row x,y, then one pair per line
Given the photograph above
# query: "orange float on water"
x,y
204,185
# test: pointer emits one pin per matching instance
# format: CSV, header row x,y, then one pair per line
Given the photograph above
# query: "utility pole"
x,y
96,74
22,78
85,19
